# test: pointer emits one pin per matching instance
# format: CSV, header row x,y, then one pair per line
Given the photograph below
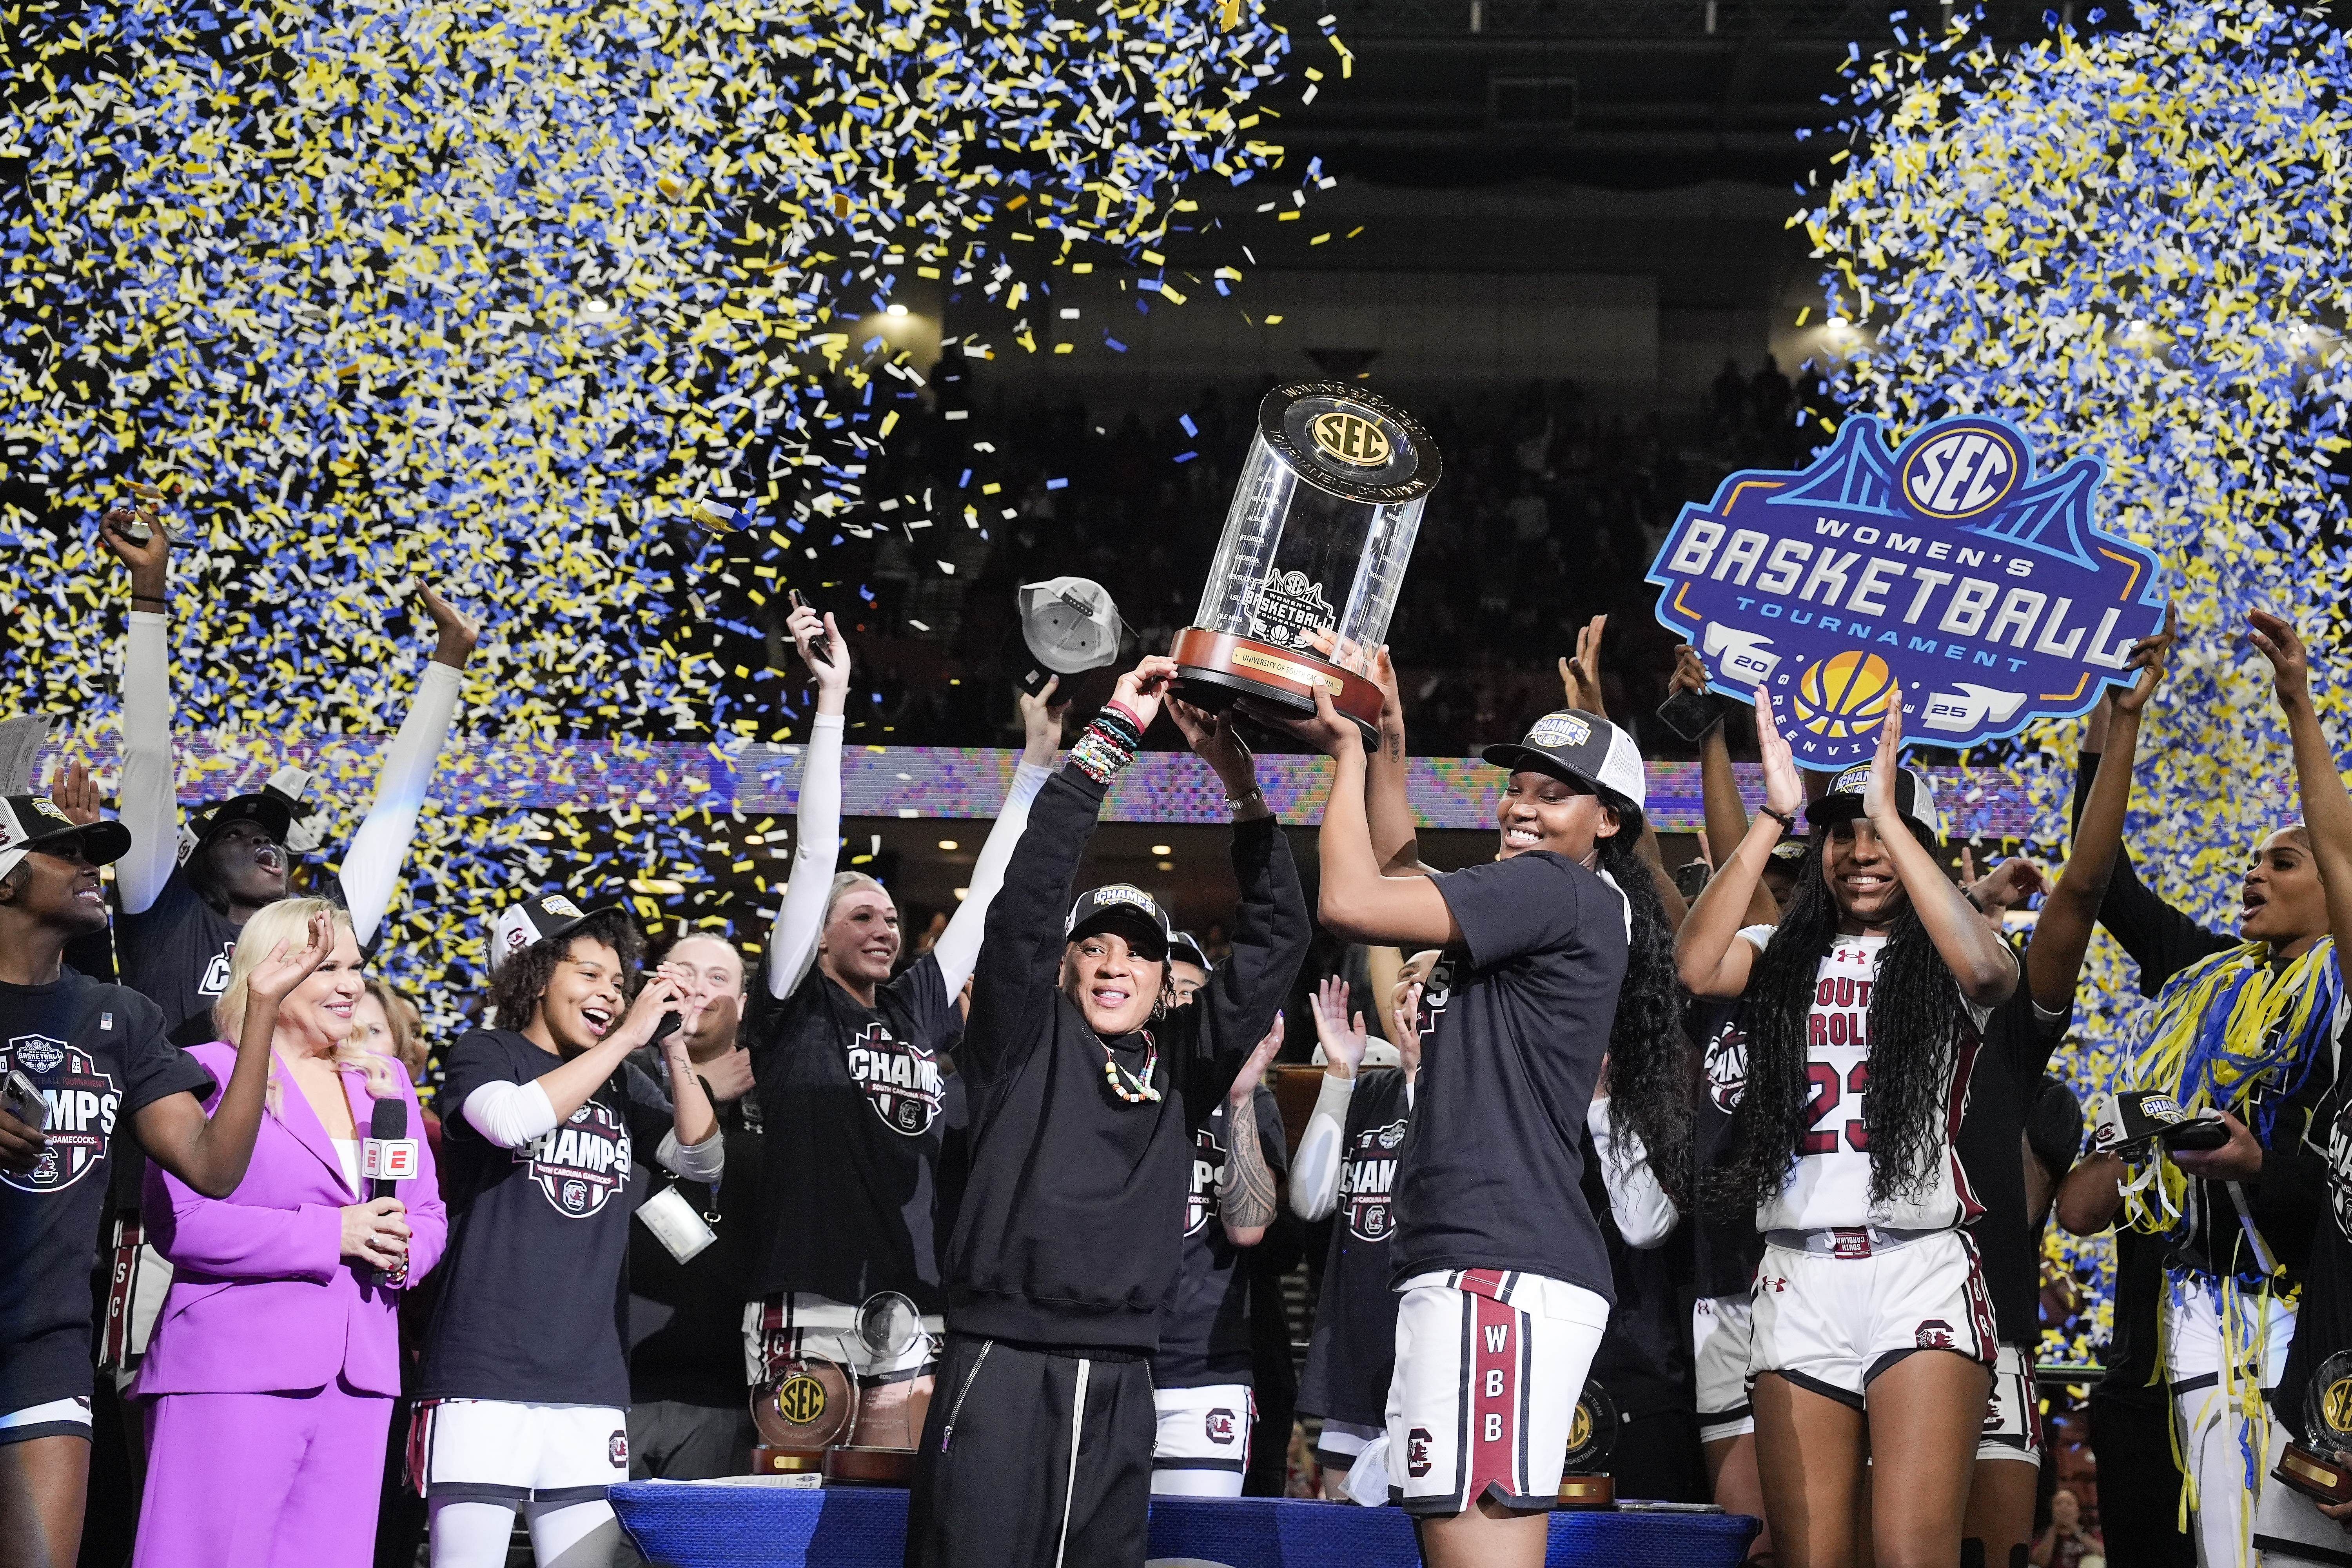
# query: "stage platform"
x,y
705,1524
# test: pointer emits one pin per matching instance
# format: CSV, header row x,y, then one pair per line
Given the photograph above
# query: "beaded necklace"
x,y
1134,1088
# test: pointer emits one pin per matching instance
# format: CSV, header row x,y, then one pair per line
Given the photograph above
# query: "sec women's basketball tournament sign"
x,y
1988,592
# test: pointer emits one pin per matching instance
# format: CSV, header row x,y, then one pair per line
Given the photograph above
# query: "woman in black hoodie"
x,y
1038,1447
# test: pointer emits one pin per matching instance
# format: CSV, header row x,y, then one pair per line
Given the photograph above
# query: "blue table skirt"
x,y
680,1524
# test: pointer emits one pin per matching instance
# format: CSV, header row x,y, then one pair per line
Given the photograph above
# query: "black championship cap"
x,y
1915,797
270,812
1185,948
541,917
1580,746
30,822
1126,909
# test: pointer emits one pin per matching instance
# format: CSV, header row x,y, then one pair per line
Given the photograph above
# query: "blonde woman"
x,y
849,1053
276,1363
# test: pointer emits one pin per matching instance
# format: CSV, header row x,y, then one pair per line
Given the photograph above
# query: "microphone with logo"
x,y
388,1158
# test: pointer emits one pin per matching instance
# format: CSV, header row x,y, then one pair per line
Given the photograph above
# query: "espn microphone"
x,y
388,1158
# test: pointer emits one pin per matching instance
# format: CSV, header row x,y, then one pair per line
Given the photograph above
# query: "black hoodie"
x,y
1073,1214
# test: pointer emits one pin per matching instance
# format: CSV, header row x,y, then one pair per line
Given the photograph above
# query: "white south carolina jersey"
x,y
1830,1185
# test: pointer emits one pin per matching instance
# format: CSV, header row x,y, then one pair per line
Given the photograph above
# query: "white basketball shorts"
x,y
2012,1428
1202,1448
1831,1321
496,1448
1488,1368
1723,1330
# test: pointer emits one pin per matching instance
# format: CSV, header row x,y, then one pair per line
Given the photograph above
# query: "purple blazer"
x,y
263,1300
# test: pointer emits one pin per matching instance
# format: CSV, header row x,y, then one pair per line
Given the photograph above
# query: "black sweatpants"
x,y
1033,1459
2139,1484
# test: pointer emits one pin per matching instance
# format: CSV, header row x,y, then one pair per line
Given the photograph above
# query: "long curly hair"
x,y
1916,1029
1650,1059
521,977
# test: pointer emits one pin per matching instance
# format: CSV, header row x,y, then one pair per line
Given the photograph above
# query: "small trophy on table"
x,y
1313,555
2315,1467
1585,1479
893,1397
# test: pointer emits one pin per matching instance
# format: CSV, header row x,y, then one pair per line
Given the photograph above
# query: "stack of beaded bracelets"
x,y
1110,743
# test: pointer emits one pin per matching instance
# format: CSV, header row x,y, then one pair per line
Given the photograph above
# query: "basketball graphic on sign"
x,y
1845,695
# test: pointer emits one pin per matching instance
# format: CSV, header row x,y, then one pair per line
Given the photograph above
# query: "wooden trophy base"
x,y
2323,1480
1587,1492
1217,670
799,1467
869,1467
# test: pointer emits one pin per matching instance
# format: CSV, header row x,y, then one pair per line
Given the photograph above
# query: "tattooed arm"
x,y
1249,1187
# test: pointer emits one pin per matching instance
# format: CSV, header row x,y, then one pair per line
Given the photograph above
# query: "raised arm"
x,y
1978,958
958,947
1709,956
800,916
210,1153
1020,957
2062,932
1314,1174
1386,803
370,870
149,789
1725,813
2327,809
1359,900
1271,931
1248,1192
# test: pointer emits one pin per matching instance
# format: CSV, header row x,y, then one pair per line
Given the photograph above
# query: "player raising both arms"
x,y
849,1062
1862,1012
183,905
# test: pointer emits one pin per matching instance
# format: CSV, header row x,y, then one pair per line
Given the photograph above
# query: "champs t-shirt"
x,y
534,1287
1515,1021
1830,1185
1725,1247
851,1097
1204,1328
97,1054
1354,1344
176,951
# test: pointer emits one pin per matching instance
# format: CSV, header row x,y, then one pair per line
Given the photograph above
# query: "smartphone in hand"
x,y
1690,714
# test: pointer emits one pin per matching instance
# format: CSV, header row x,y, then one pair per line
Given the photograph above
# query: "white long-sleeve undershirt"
x,y
1315,1169
799,918
371,872
1645,1215
958,947
512,1114
148,788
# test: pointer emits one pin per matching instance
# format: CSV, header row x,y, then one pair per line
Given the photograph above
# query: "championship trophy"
x,y
1584,1480
807,1406
1313,556
2316,1471
891,1405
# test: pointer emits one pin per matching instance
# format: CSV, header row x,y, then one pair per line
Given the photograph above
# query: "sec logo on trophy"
x,y
1949,567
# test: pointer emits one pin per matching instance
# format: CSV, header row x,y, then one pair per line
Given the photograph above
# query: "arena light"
x,y
946,844
1164,849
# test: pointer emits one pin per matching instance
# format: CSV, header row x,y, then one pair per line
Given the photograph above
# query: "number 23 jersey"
x,y
1830,1184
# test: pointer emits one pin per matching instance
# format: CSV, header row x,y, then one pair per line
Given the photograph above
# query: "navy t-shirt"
x,y
852,1098
534,1287
177,952
1354,1345
1515,1021
1204,1327
97,1054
